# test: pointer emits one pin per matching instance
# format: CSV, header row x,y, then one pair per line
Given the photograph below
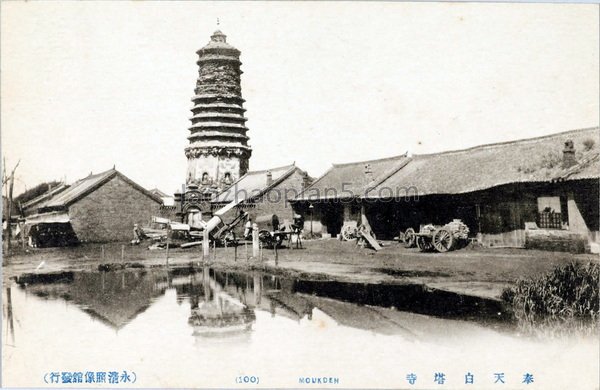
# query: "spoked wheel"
x,y
349,233
423,244
442,240
409,238
229,239
265,237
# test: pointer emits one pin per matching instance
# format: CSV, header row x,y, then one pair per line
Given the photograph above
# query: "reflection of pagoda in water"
x,y
219,314
223,304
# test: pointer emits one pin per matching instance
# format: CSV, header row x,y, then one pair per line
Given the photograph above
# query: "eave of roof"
x,y
85,186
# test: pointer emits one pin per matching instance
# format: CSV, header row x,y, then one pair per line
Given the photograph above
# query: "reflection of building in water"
x,y
219,314
224,306
114,298
9,316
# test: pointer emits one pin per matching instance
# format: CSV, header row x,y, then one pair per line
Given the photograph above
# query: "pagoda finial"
x,y
218,36
217,21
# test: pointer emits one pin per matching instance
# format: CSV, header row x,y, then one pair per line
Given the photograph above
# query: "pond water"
x,y
206,328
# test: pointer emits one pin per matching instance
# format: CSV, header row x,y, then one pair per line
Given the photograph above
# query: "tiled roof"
x,y
254,183
529,160
45,196
83,187
352,179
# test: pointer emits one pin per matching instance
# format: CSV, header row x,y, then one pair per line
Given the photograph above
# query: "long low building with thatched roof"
x,y
548,183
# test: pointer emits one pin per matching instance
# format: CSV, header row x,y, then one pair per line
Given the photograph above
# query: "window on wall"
x,y
227,178
550,212
205,178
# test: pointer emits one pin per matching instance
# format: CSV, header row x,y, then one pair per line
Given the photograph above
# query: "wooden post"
x,y
255,241
246,249
256,284
169,236
276,255
260,249
11,324
214,250
102,252
122,253
22,226
235,251
167,253
205,245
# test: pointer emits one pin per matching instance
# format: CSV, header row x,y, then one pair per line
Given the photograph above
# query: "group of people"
x,y
297,226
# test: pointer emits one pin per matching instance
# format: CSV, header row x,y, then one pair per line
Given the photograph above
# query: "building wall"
x,y
497,216
108,213
169,212
585,195
327,217
274,202
215,166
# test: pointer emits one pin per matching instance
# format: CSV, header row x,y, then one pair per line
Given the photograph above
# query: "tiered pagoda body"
x,y
218,152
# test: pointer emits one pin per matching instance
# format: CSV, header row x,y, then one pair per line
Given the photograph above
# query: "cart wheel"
x,y
422,244
442,240
265,237
349,233
410,238
230,238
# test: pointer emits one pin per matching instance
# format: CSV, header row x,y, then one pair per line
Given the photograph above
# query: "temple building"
x,y
218,152
531,193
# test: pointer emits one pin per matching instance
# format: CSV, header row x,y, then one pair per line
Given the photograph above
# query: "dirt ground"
x,y
481,272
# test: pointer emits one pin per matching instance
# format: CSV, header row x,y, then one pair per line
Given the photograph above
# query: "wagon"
x,y
350,230
445,238
273,234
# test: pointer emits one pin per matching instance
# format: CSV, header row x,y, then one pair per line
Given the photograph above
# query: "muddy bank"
x,y
475,272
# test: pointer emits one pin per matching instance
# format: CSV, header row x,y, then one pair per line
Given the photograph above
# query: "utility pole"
x,y
11,182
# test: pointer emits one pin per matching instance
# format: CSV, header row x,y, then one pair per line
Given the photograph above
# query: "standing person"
x,y
248,229
137,235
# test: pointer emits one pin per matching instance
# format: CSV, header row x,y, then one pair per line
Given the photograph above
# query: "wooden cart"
x,y
453,235
273,234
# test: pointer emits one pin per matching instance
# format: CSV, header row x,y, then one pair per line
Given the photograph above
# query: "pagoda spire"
x,y
218,152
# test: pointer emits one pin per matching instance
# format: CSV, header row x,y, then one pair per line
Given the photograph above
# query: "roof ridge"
x,y
46,194
283,176
136,186
369,161
270,169
315,182
94,175
505,143
280,179
386,175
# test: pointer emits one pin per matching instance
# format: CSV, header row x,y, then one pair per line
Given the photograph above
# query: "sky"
x,y
89,85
